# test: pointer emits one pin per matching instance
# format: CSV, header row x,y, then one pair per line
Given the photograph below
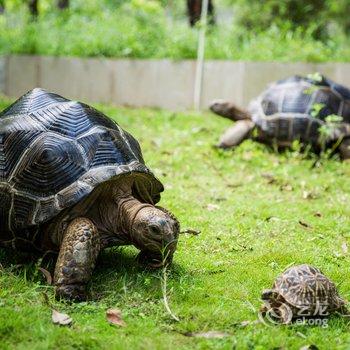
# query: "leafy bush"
x,y
320,17
144,29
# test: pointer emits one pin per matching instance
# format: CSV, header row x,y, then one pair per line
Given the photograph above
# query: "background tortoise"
x,y
73,181
291,109
301,291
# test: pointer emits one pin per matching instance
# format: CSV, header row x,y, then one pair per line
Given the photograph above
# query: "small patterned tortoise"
x,y
292,109
301,291
73,181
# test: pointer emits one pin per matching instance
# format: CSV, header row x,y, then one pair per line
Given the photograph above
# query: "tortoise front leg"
x,y
76,260
236,134
344,149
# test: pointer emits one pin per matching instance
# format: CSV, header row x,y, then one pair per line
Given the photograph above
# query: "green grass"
x,y
142,29
217,276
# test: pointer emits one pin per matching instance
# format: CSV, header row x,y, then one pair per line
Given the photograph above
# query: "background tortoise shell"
x,y
53,153
283,110
305,286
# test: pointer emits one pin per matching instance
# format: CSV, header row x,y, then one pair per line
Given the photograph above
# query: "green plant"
x,y
144,29
322,17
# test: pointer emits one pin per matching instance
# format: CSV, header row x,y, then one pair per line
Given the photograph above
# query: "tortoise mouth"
x,y
154,260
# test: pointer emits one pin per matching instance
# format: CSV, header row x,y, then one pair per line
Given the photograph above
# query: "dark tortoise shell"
x,y
53,153
284,111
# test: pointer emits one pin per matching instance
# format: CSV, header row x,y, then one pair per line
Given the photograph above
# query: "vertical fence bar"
x,y
3,67
200,56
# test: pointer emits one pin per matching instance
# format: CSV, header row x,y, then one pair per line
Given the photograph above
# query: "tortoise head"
x,y
228,110
275,308
220,107
269,295
155,232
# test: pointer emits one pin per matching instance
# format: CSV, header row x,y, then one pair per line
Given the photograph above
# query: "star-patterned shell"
x,y
305,286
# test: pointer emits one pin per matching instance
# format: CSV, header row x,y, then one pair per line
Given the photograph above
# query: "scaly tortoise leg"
x,y
344,149
76,260
236,134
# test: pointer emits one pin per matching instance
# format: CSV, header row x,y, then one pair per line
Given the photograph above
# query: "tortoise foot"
x,y
74,292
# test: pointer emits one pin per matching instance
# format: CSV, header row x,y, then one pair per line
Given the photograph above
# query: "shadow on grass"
x,y
116,271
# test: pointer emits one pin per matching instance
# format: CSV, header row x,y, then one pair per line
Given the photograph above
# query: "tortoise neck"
x,y
117,215
236,113
127,210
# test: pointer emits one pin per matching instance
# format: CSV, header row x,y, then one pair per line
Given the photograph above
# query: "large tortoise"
x,y
301,291
292,109
73,181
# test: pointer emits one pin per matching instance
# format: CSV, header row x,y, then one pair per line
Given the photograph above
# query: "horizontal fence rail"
x,y
151,83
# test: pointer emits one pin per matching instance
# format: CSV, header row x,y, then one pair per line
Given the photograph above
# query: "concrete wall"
x,y
153,83
2,74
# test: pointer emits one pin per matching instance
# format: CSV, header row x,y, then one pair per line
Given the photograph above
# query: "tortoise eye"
x,y
154,229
